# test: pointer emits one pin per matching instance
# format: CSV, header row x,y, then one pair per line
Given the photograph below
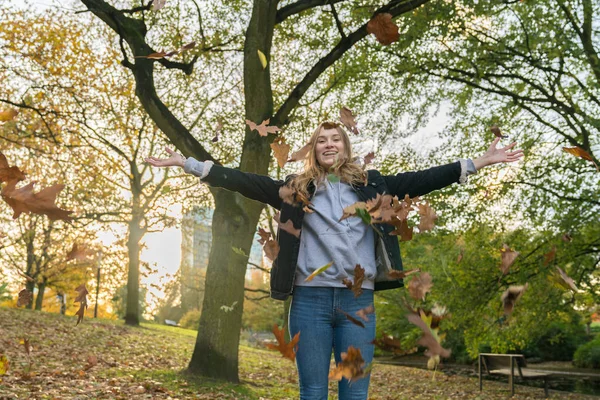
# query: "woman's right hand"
x,y
175,160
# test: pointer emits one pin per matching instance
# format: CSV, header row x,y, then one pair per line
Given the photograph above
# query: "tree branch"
x,y
299,6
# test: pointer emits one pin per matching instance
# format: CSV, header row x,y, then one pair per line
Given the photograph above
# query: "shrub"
x,y
558,343
190,320
588,355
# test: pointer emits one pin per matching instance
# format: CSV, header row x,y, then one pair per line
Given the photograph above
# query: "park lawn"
x,y
102,359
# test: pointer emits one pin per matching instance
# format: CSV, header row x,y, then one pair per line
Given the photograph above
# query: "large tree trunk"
x,y
235,218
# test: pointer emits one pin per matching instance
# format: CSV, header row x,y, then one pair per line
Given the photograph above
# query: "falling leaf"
x,y
351,318
271,249
363,313
550,256
300,154
396,274
402,229
8,173
427,217
287,350
8,115
262,58
460,256
280,150
351,366
508,258
318,271
287,194
565,280
263,129
26,345
81,298
351,209
348,119
218,131
391,344
24,275
384,29
239,251
511,295
333,178
356,285
578,152
24,200
228,308
496,131
566,238
4,364
420,285
80,253
368,159
264,236
25,297
430,337
158,4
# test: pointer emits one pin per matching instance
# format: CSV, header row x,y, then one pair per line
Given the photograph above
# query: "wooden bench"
x,y
506,364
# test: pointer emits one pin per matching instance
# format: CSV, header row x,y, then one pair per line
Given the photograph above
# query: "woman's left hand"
x,y
495,155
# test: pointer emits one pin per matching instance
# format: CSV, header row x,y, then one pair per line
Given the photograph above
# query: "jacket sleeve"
x,y
256,187
422,182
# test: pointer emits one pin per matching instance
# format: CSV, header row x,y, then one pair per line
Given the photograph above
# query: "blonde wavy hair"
x,y
345,167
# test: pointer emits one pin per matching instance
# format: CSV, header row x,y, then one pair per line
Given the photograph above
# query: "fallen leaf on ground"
x,y
287,350
4,364
384,28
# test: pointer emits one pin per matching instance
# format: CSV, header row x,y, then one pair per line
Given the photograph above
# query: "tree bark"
x,y
135,235
235,218
39,299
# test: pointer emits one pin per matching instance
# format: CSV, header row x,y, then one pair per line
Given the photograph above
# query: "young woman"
x,y
317,305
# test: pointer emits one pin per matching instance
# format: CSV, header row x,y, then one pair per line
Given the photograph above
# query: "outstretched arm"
x,y
256,187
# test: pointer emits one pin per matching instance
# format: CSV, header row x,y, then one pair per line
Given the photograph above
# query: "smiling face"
x,y
329,147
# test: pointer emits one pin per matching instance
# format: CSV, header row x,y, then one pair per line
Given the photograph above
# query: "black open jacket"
x,y
266,190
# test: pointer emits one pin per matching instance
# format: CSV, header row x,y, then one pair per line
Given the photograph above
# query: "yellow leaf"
x,y
3,364
262,58
10,114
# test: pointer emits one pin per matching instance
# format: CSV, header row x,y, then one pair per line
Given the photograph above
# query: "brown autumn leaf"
x,y
25,200
264,236
351,209
263,129
508,258
496,131
427,217
25,297
26,345
218,130
92,361
287,350
80,253
396,274
391,344
566,238
351,318
351,366
356,285
402,229
280,150
420,285
287,226
368,159
363,313
271,249
287,194
301,154
81,298
550,256
8,173
348,119
511,295
460,256
8,115
384,29
430,338
578,152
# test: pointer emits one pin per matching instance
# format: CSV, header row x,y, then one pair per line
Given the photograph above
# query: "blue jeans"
x,y
314,313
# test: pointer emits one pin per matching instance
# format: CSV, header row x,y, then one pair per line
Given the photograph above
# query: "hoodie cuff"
x,y
467,167
201,169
